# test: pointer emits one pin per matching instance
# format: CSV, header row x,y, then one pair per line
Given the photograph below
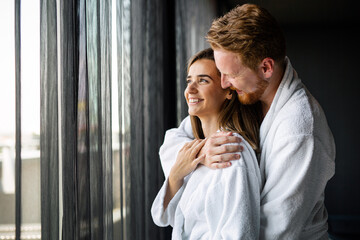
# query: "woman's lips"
x,y
193,101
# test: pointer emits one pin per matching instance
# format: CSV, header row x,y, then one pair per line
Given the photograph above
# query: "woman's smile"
x,y
194,101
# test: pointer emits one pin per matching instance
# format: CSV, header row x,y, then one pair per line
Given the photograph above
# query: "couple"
x,y
280,195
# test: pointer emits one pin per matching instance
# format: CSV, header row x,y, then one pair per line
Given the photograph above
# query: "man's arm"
x,y
297,171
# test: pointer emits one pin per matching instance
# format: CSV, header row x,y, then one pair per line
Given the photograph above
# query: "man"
x,y
297,146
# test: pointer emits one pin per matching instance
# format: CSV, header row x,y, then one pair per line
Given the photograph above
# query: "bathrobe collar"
x,y
289,84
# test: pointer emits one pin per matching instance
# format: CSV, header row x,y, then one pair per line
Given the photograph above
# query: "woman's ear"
x,y
229,95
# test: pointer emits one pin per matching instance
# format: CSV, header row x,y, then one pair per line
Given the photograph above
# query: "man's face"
x,y
234,74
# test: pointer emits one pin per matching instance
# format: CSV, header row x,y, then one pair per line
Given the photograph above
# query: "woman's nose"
x,y
191,87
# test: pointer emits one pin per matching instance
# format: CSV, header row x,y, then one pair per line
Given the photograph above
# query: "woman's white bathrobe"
x,y
215,204
297,160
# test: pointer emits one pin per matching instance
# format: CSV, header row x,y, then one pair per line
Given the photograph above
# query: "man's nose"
x,y
224,81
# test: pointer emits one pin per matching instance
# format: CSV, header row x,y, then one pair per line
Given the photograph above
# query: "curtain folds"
x,y
92,187
85,116
18,119
69,68
49,139
86,111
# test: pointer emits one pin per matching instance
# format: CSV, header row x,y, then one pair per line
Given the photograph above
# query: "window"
x,y
30,121
95,80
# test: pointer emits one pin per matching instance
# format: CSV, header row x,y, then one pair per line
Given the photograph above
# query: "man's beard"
x,y
253,97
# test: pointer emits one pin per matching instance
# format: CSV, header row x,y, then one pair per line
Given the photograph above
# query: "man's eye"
x,y
188,81
203,80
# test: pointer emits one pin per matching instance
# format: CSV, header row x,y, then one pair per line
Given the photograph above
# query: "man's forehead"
x,y
225,54
227,62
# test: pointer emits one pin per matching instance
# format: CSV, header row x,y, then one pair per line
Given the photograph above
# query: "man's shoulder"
x,y
296,116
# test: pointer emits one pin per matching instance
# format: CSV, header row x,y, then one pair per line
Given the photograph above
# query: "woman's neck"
x,y
209,125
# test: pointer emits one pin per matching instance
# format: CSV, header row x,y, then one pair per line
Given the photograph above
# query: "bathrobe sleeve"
x,y
175,139
297,171
165,217
233,206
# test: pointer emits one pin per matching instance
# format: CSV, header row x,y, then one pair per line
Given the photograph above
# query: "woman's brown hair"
x,y
234,116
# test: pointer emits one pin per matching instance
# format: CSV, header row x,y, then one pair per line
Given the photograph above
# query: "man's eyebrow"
x,y
201,75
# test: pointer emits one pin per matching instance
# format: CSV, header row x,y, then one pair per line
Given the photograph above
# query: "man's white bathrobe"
x,y
215,204
297,160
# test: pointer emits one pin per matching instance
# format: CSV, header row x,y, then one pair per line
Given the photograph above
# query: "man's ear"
x,y
267,67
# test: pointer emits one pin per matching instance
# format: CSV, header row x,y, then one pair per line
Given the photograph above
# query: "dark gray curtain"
x,y
18,119
69,64
86,119
147,110
80,63
154,41
122,186
49,144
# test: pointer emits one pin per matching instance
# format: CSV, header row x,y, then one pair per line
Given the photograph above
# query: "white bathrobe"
x,y
215,204
297,160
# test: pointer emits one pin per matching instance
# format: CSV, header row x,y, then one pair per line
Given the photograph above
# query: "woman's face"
x,y
203,93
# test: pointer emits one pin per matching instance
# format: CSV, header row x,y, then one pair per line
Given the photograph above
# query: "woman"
x,y
200,203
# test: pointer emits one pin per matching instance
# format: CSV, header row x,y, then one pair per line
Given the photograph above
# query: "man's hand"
x,y
219,155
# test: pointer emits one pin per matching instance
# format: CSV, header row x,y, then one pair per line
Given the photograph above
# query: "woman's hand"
x,y
186,162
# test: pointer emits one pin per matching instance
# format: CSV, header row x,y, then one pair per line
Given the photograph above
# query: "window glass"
x,y
30,120
7,120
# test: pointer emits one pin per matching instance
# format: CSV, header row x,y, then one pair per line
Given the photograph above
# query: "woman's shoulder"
x,y
246,146
248,159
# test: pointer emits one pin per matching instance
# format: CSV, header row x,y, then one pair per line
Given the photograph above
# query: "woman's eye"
x,y
203,80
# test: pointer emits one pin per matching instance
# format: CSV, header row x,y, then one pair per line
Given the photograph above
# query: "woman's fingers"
x,y
187,146
198,160
190,150
197,147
